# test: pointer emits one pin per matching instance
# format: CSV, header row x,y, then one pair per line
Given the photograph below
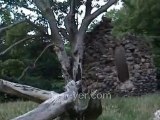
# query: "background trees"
x,y
15,61
138,16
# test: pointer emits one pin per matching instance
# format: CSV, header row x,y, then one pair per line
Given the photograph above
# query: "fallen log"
x,y
32,93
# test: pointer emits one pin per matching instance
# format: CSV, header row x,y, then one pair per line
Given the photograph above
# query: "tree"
x,y
51,15
138,16
22,56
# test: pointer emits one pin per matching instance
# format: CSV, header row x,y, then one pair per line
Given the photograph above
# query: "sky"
x,y
80,17
101,2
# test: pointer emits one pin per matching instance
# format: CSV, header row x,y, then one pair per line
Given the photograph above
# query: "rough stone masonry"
x,y
99,63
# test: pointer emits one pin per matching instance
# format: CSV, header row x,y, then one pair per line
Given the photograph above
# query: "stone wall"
x,y
100,70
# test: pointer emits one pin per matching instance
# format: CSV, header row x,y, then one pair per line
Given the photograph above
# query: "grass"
x,y
11,110
132,108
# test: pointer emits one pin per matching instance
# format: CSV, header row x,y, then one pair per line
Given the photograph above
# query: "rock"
x,y
130,46
136,67
107,69
105,56
147,65
142,60
99,67
130,59
128,85
137,75
101,77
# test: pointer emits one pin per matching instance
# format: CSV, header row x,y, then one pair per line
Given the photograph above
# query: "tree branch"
x,y
46,10
45,7
34,64
23,73
13,45
54,106
70,22
88,7
10,26
86,21
29,92
79,46
42,53
101,10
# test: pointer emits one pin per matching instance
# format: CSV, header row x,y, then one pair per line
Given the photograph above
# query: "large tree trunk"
x,y
67,105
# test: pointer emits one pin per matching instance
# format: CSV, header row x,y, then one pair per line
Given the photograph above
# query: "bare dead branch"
x,y
34,64
88,8
42,53
23,73
25,91
54,106
10,26
13,45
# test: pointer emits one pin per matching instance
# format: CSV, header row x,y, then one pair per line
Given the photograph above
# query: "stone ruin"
x,y
99,65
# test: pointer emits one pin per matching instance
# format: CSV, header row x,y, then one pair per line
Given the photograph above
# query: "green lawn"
x,y
132,108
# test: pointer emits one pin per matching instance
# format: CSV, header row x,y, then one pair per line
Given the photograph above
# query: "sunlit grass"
x,y
132,108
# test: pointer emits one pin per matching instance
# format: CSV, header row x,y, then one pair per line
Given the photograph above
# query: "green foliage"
x,y
138,16
12,67
45,74
17,33
5,16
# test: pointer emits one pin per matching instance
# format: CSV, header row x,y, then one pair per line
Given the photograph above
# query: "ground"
x,y
131,108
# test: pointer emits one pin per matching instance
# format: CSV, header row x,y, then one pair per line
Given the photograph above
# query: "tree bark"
x,y
65,104
25,91
54,106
